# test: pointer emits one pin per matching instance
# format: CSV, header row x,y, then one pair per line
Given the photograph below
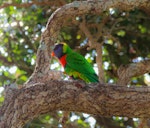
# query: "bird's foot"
x,y
80,84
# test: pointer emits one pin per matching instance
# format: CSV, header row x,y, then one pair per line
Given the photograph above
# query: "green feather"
x,y
78,67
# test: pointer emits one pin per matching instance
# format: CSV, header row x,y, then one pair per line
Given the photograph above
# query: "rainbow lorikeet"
x,y
75,65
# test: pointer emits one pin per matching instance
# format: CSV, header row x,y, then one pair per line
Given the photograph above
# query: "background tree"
x,y
115,38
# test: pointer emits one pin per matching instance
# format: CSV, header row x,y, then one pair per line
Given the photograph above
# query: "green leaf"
x,y
121,33
1,99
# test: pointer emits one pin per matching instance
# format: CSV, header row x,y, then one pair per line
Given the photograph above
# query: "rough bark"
x,y
41,95
126,72
22,105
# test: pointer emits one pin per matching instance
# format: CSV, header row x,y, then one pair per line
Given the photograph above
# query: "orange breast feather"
x,y
63,60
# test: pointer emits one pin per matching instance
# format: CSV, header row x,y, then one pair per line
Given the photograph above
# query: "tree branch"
x,y
5,61
106,100
126,72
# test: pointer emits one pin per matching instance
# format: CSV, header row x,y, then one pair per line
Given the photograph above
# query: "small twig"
x,y
84,28
114,25
143,123
64,118
100,61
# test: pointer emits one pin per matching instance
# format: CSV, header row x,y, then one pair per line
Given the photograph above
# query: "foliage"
x,y
125,37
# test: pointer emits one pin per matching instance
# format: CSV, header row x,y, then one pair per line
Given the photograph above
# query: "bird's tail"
x,y
93,78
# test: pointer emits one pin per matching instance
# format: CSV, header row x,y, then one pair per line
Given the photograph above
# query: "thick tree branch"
x,y
27,103
126,72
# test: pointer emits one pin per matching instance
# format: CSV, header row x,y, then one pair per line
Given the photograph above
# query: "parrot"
x,y
74,64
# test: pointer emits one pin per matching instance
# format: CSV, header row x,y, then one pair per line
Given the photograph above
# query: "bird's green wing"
x,y
77,63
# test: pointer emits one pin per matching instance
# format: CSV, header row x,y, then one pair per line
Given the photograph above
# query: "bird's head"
x,y
60,50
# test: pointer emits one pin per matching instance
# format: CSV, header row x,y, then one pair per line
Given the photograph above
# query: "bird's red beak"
x,y
52,54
